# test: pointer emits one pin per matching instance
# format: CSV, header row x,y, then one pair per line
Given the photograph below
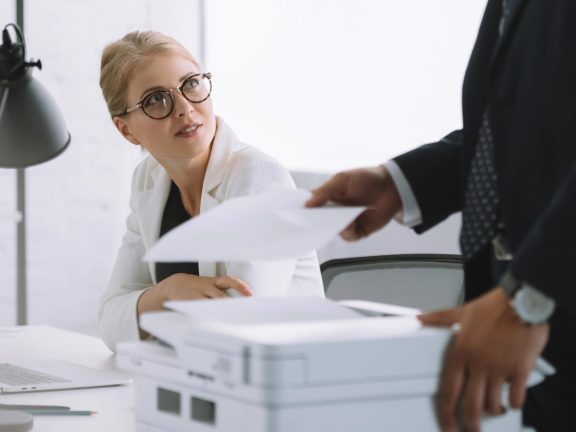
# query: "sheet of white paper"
x,y
370,308
262,310
270,226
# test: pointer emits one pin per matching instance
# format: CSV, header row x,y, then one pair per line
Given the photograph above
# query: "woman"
x,y
159,99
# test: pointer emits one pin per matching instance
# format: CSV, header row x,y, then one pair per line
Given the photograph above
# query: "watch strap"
x,y
510,284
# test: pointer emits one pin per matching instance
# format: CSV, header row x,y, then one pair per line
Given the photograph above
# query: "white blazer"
x,y
234,169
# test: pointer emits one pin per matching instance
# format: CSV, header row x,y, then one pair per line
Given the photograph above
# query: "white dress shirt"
x,y
410,214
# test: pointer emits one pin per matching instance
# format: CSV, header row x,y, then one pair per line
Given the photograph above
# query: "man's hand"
x,y
492,347
371,187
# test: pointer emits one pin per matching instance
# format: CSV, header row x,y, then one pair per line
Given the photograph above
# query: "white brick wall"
x,y
77,203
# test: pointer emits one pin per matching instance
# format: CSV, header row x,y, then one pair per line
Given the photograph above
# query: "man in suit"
x,y
511,170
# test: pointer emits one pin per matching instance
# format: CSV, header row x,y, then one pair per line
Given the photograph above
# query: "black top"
x,y
174,215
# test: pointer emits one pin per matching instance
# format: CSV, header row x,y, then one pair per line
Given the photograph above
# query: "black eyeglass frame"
x,y
140,105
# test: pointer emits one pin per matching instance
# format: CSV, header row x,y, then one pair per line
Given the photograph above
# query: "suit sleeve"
x,y
434,173
546,258
118,320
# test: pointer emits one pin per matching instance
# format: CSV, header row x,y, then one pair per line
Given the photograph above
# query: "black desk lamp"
x,y
32,131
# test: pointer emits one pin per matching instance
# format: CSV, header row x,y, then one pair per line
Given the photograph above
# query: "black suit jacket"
x,y
526,81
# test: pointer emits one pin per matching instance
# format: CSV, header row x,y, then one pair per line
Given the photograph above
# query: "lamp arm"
x,y
3,98
12,54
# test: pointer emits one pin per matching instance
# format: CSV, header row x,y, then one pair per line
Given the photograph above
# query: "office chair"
x,y
424,281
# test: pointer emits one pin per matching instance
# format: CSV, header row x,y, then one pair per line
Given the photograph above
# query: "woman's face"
x,y
189,129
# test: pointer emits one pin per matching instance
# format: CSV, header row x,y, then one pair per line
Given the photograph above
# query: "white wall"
x,y
321,85
333,84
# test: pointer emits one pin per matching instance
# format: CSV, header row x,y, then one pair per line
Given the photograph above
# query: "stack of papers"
x,y
270,226
262,310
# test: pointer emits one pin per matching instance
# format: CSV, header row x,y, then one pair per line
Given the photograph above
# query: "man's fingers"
x,y
329,191
350,233
357,229
368,222
318,199
518,389
442,318
493,403
473,401
449,393
451,385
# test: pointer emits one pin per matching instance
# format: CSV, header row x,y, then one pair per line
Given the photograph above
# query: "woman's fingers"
x,y
231,282
190,287
213,292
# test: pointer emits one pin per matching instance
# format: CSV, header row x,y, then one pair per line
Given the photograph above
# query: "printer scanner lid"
x,y
327,340
315,330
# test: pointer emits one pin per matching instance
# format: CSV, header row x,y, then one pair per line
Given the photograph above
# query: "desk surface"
x,y
115,405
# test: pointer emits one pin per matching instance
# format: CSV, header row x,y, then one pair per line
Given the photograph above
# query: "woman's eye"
x,y
155,98
190,84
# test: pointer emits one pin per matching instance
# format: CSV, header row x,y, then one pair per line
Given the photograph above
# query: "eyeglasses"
x,y
160,103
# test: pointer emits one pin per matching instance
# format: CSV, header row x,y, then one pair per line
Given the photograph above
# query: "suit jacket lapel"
x,y
224,145
517,6
151,207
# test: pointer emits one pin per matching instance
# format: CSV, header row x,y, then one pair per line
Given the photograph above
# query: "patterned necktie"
x,y
481,200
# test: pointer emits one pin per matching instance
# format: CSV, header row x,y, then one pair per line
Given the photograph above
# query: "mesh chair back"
x,y
425,281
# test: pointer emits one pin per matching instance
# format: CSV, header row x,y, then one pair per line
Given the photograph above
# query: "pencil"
x,y
53,412
32,407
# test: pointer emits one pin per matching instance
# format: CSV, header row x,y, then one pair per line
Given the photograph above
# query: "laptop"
x,y
32,376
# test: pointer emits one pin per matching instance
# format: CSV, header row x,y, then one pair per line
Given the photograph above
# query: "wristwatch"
x,y
529,304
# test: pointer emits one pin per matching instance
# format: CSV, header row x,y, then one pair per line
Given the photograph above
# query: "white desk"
x,y
115,405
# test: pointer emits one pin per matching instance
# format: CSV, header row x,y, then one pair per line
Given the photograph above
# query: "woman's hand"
x,y
182,286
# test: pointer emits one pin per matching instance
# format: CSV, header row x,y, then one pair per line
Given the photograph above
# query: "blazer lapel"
x,y
220,156
207,268
150,203
517,6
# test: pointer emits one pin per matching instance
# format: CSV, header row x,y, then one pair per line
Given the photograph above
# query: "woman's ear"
x,y
124,129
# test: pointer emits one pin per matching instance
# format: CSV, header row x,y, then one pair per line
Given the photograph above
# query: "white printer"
x,y
291,365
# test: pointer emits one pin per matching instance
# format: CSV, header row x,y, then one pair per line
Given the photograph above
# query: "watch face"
x,y
532,306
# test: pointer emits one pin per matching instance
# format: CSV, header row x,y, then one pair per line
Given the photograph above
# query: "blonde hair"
x,y
120,59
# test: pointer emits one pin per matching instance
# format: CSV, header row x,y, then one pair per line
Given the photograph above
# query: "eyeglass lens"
x,y
159,103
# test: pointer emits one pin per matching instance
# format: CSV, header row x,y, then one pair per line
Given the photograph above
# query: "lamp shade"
x,y
32,129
